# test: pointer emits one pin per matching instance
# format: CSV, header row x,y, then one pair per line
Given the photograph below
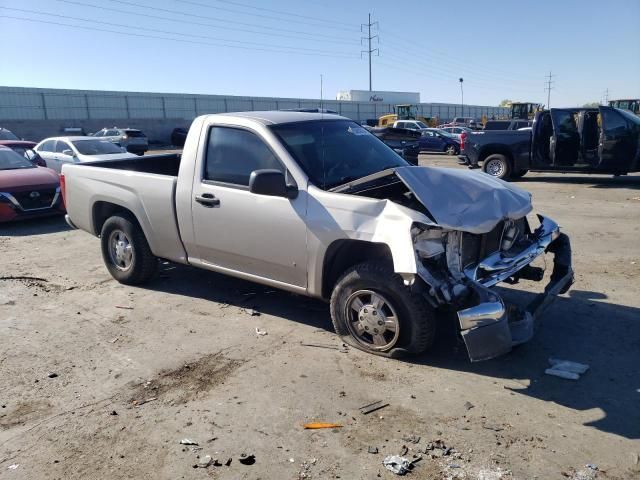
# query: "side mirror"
x,y
271,182
68,153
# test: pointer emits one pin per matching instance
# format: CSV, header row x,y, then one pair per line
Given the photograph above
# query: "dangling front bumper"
x,y
488,327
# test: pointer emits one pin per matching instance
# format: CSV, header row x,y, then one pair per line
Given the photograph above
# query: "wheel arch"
x,y
496,150
345,253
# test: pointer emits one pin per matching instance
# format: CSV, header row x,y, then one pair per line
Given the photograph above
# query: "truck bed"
x,y
162,164
145,186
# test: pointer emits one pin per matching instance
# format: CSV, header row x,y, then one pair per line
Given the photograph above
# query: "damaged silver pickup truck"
x,y
316,205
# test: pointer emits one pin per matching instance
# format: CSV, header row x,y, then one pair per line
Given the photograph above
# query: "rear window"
x,y
134,133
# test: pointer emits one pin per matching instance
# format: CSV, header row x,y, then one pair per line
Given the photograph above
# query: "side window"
x,y
111,133
62,146
614,123
47,146
233,153
99,133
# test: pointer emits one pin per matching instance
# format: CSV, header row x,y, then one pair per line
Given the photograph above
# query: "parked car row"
x,y
27,190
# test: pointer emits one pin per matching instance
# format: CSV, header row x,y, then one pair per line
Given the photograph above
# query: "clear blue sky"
x,y
502,49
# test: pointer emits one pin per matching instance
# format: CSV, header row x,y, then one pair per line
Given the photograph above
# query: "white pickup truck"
x,y
316,205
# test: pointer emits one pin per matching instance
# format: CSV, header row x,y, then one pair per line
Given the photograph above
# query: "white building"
x,y
379,96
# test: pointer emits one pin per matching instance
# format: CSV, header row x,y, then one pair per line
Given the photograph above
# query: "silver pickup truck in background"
x,y
316,205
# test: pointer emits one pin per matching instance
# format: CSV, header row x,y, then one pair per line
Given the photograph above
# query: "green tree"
x,y
505,103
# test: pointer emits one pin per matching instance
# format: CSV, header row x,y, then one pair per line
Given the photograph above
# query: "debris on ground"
x,y
247,459
52,375
566,369
187,441
373,450
254,312
124,308
468,405
342,349
261,333
591,466
305,467
397,464
404,450
113,412
412,439
139,403
438,448
228,462
319,425
14,466
372,407
493,426
205,462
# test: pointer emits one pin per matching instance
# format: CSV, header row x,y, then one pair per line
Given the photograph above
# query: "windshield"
x,y
421,125
7,135
444,133
630,116
10,160
95,147
335,152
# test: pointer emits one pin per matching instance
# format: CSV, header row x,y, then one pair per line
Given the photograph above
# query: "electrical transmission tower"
x,y
548,87
606,97
368,38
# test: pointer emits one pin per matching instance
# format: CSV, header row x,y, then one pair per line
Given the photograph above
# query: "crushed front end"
x,y
459,269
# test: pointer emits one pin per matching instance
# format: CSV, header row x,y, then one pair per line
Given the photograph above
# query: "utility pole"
x,y
606,97
321,99
461,97
369,38
549,87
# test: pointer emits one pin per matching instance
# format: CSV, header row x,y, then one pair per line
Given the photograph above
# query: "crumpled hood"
x,y
464,200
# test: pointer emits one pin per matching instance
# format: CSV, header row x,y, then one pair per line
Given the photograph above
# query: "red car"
x,y
26,149
27,190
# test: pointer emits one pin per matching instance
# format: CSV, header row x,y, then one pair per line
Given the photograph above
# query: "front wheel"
x,y
126,252
372,309
497,166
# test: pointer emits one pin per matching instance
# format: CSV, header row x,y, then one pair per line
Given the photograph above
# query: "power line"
x,y
196,42
279,12
120,25
270,32
369,38
549,87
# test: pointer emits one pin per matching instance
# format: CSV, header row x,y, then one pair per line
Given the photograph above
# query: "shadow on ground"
x,y
581,327
34,226
593,181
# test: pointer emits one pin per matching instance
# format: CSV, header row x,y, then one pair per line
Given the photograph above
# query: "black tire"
x,y
519,173
415,317
143,265
497,166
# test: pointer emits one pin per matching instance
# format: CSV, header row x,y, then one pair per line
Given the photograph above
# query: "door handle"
x,y
208,200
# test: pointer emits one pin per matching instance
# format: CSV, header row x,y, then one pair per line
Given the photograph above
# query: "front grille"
x,y
477,247
29,201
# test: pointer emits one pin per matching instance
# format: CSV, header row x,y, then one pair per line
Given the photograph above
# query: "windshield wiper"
x,y
348,184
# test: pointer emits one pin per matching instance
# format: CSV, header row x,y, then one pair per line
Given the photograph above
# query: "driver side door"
x,y
236,230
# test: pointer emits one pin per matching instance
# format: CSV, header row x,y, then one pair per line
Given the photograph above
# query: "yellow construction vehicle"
x,y
525,110
405,112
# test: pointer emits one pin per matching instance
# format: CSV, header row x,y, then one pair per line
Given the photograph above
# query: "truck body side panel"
x,y
150,197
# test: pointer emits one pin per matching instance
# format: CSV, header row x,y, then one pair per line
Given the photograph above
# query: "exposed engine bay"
x,y
477,236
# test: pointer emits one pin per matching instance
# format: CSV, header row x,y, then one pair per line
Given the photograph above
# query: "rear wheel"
x,y
497,166
374,311
126,252
451,150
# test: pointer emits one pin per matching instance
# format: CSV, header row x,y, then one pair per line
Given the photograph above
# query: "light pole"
x,y
461,98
